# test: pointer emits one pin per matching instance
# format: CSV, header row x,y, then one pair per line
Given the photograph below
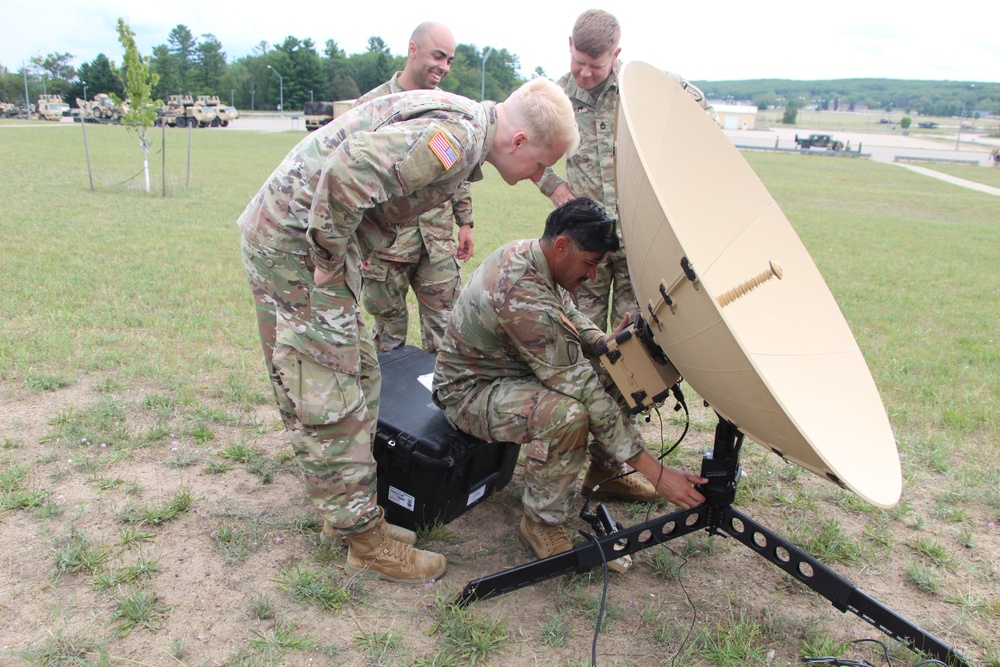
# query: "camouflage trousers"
x,y
613,284
326,380
554,429
436,286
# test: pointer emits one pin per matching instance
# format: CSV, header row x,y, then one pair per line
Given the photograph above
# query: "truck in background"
x,y
51,107
319,114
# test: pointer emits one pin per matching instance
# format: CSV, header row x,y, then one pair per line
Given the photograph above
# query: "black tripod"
x,y
717,515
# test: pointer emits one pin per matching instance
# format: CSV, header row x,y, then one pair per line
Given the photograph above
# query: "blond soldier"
x,y
424,254
305,234
514,367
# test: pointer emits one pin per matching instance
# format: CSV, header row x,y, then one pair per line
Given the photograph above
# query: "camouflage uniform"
x,y
423,256
513,368
590,172
327,205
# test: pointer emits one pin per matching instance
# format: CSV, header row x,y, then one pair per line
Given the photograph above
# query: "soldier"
x,y
592,86
305,234
424,253
513,367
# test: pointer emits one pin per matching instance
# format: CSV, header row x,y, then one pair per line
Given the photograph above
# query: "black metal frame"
x,y
717,516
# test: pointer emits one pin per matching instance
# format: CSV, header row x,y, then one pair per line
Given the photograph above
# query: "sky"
x,y
701,40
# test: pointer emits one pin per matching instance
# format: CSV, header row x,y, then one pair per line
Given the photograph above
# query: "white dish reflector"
x,y
778,359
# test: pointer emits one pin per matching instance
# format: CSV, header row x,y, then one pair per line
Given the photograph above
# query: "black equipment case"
x,y
429,471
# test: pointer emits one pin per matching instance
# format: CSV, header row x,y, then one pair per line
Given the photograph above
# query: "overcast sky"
x,y
699,39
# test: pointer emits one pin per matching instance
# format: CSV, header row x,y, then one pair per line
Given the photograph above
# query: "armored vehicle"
x,y
819,141
223,113
183,111
51,107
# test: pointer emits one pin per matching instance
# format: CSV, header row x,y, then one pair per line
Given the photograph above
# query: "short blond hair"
x,y
542,108
596,32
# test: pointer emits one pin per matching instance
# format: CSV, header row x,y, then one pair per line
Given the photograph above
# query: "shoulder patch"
x,y
443,149
568,324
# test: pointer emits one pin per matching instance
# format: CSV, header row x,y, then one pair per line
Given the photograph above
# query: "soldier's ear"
x,y
518,141
562,244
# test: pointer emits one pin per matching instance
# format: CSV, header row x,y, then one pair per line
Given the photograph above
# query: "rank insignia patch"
x,y
443,149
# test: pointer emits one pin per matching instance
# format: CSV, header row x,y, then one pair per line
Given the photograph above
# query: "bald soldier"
x,y
424,254
515,366
337,195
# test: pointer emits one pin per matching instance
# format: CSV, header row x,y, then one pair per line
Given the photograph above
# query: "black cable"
x,y
834,660
694,609
604,596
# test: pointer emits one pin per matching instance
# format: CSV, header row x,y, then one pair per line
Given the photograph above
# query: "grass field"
x,y
143,297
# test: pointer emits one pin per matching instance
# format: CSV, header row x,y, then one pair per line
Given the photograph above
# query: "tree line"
x,y
927,98
292,73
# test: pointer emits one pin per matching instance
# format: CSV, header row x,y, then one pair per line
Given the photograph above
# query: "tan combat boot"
x,y
374,553
398,533
544,539
633,488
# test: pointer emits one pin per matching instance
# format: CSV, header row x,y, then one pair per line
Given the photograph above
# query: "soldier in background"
x,y
592,86
305,234
424,254
514,367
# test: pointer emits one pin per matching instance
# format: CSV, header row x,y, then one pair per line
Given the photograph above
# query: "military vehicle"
x,y
819,141
51,107
223,113
227,114
319,114
8,110
183,111
101,109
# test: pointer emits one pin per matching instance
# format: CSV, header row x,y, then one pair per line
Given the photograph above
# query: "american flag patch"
x,y
442,148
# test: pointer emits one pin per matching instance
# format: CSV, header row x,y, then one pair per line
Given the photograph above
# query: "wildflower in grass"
x,y
279,540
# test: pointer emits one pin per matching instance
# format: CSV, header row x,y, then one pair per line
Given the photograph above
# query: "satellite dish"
x,y
733,297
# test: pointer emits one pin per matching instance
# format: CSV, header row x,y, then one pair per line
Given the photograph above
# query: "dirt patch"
x,y
209,592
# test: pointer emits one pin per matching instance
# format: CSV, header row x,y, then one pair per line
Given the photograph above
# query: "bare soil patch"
x,y
207,595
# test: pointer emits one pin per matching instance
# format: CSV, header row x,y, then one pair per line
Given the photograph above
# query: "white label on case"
x,y
400,498
476,495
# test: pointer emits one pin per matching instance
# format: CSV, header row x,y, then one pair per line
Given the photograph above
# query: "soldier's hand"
x,y
677,487
621,327
671,484
465,243
561,194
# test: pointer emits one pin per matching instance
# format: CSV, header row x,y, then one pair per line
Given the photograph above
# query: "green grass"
x,y
910,261
156,514
315,587
137,608
986,175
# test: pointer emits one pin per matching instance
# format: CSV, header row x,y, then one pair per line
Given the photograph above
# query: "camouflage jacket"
x,y
590,171
432,230
339,193
513,321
